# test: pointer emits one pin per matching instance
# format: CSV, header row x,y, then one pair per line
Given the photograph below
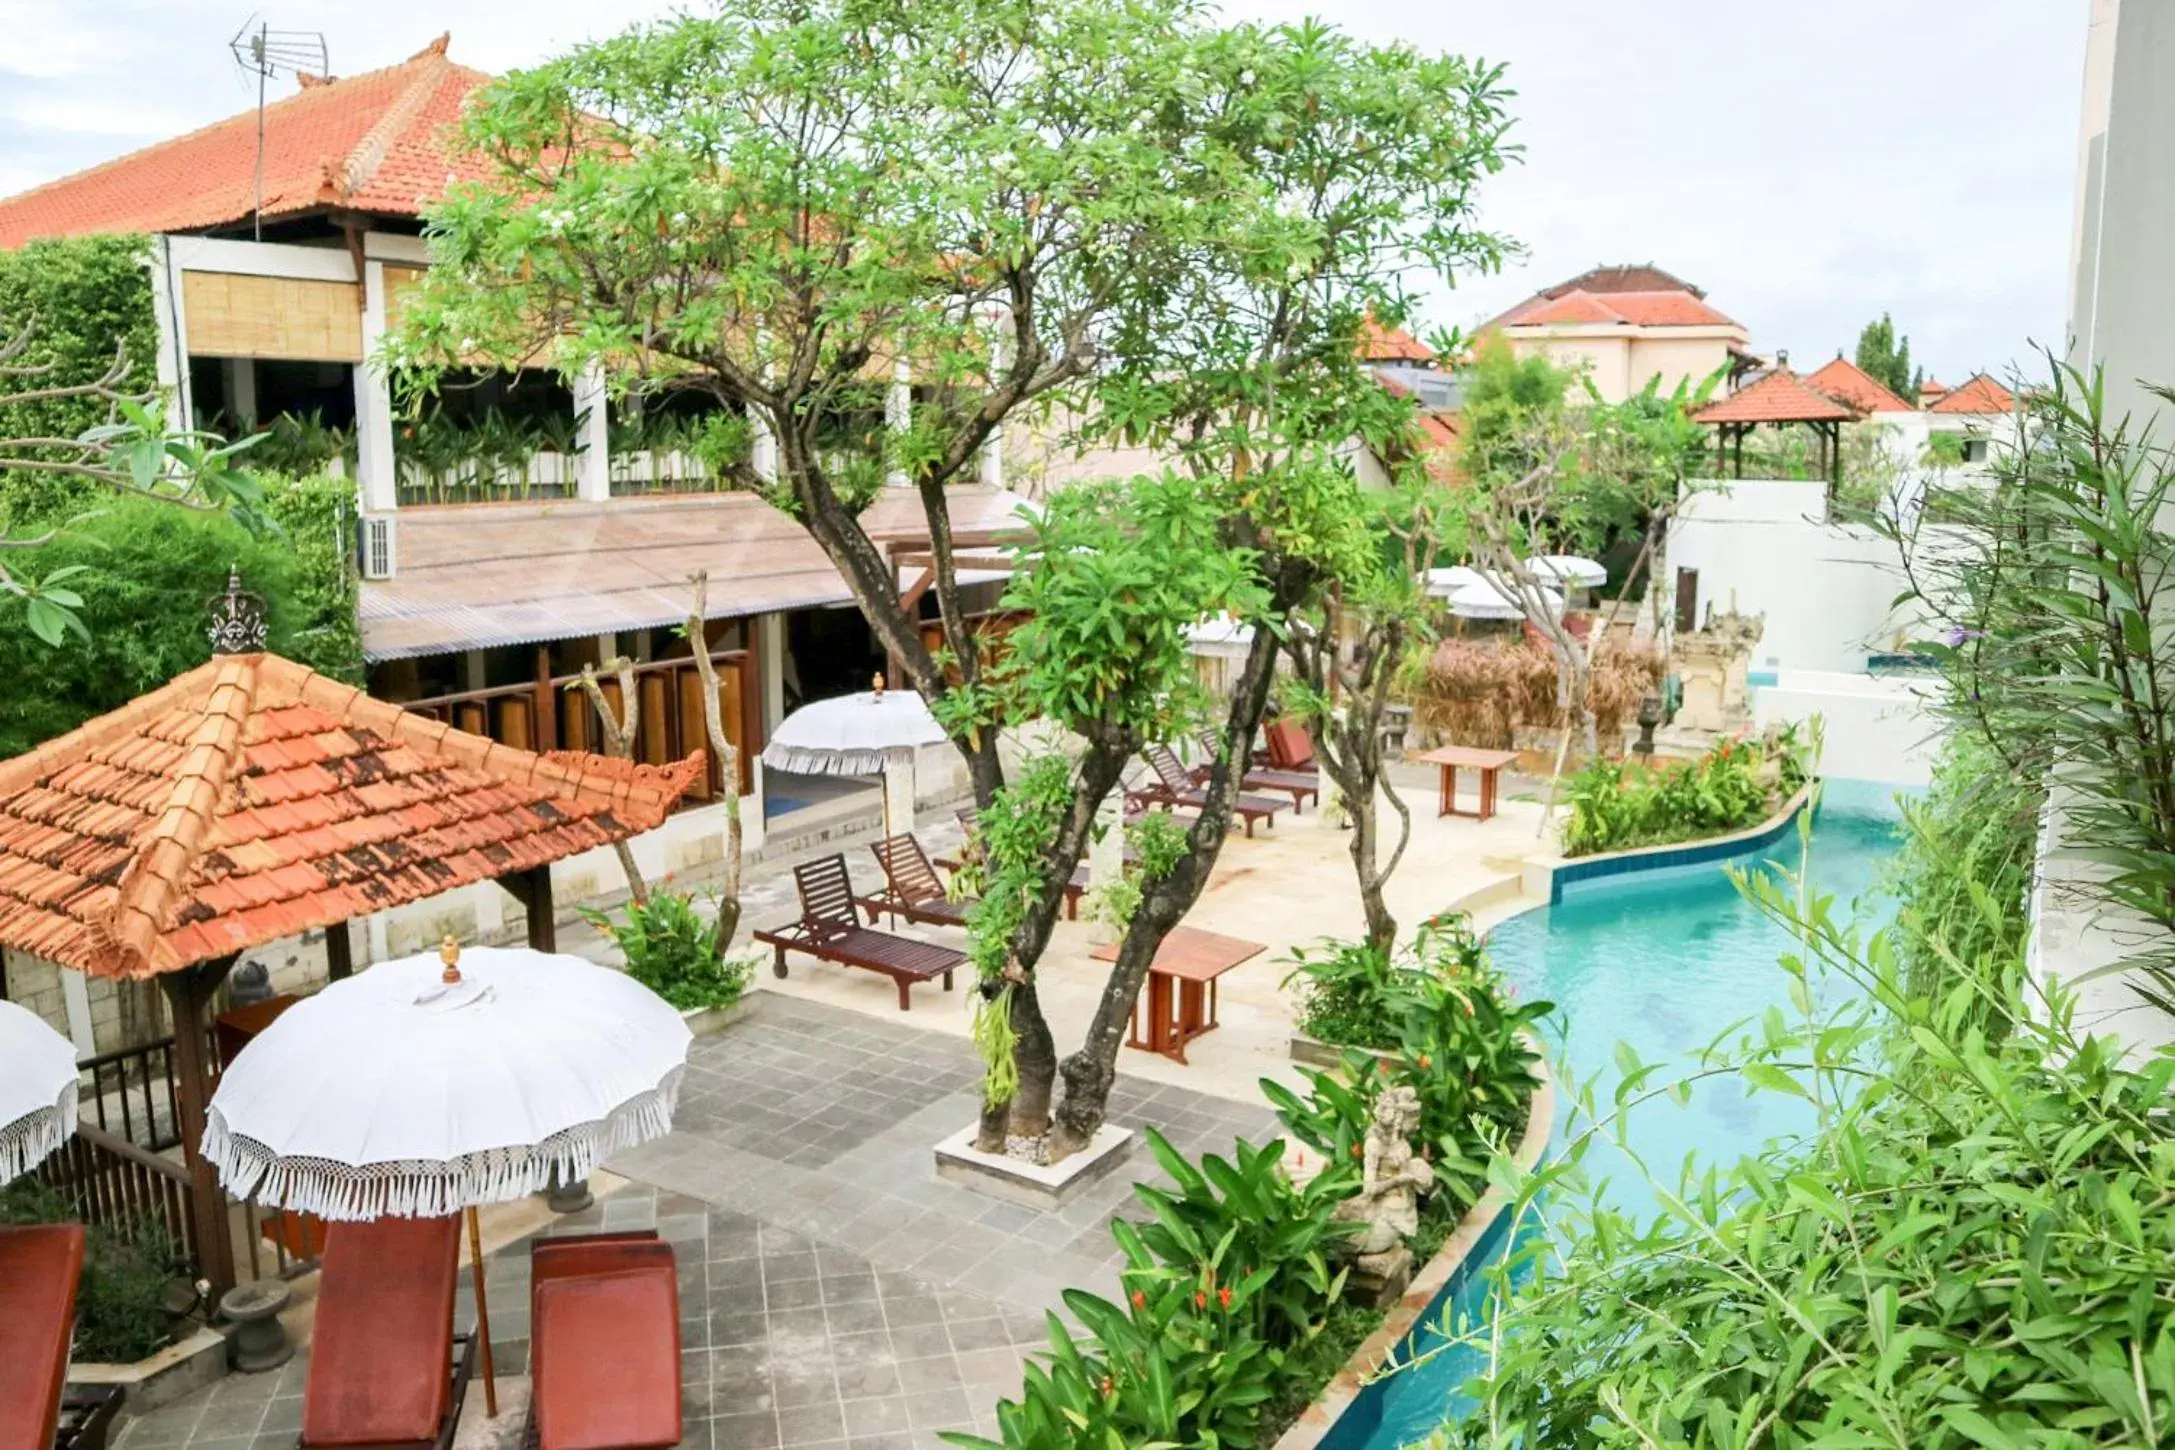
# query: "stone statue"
x,y
1387,1206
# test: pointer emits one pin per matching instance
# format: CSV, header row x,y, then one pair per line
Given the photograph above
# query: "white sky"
x,y
1808,164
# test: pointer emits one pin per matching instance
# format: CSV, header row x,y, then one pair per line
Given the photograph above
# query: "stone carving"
x,y
1712,665
1387,1206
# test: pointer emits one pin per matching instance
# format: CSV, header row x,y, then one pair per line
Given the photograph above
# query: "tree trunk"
x,y
1090,1072
619,743
728,762
1034,1053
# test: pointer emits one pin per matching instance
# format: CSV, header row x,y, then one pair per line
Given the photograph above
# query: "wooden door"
x,y
1687,600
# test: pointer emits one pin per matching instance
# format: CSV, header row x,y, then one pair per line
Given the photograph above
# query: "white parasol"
x,y
1446,581
1569,569
1482,600
875,732
435,1083
442,1081
37,1090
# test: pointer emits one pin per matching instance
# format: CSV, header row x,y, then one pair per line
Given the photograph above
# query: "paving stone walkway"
x,y
833,1291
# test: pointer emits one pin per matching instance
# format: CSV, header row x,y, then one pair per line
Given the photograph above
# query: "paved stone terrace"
x,y
833,1292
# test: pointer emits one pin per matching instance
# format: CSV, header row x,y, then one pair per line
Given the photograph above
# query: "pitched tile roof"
x,y
1636,277
1779,397
1391,344
372,143
1633,309
251,799
1980,395
1847,383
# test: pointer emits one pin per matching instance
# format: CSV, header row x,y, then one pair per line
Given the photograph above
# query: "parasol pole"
x,y
883,785
449,951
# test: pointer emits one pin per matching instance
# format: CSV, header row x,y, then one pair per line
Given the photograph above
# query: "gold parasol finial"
x,y
449,952
876,683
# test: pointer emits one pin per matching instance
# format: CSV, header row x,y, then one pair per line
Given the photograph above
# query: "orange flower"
x,y
1223,1298
1200,1299
1110,1386
1140,1299
1424,1064
1356,1150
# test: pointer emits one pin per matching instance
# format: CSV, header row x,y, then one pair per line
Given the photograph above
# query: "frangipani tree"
x,y
1171,229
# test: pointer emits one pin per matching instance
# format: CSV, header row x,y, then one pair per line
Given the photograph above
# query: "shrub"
x,y
1615,806
675,951
121,1302
148,570
1355,994
1482,692
1969,1249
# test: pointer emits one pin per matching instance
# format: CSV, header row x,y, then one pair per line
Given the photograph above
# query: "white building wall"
x,y
1874,728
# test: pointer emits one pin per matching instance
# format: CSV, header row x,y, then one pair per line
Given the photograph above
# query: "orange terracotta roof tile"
x,y
1980,395
286,802
376,142
1623,309
1391,344
1851,385
1780,397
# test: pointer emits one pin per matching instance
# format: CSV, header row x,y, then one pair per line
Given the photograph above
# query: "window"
x,y
1974,450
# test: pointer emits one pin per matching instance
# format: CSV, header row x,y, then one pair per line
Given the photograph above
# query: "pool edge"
x,y
1319,1418
1564,871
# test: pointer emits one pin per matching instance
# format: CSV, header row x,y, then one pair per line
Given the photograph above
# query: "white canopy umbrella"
x,y
37,1090
1569,569
1446,581
435,1083
1482,600
875,732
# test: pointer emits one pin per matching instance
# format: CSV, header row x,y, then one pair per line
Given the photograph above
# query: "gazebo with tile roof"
x,y
252,799
1780,397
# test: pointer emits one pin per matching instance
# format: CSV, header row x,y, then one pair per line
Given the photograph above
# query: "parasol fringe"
x,y
36,1136
424,1189
802,761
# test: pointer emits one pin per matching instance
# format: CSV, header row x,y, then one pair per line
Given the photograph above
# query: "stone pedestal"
x,y
1377,1280
1712,665
568,1197
259,1341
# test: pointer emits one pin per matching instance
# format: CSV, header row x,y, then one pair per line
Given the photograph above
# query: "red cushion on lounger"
x,y
381,1353
607,1360
39,1267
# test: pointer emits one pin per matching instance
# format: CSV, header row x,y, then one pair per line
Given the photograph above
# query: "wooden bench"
x,y
830,930
604,1343
1301,785
1173,787
911,888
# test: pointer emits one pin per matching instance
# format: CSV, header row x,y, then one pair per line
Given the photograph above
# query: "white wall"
x,y
1763,547
1876,729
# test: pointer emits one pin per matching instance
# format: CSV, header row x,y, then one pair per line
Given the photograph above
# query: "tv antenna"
x,y
264,52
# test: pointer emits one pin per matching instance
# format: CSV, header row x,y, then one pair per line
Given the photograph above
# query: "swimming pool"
x,y
1662,961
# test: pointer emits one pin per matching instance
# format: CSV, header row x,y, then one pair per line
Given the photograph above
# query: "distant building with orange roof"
x,y
1846,382
1624,326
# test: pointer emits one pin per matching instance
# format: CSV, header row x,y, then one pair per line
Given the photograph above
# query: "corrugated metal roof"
x,y
477,576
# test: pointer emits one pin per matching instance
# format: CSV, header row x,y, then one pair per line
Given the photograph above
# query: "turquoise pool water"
x,y
1663,961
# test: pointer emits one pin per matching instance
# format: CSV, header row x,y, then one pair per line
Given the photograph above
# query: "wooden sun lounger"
x,y
87,1413
830,930
40,1266
604,1343
1173,787
970,820
386,1368
1289,747
1301,785
911,888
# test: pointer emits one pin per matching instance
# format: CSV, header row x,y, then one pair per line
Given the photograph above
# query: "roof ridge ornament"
x,y
237,618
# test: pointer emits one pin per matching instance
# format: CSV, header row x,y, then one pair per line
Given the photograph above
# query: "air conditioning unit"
x,y
376,542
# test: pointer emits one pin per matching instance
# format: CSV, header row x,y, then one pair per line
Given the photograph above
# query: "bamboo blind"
x,y
231,315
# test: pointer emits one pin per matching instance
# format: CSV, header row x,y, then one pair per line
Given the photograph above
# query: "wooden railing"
x,y
130,1094
115,1184
548,716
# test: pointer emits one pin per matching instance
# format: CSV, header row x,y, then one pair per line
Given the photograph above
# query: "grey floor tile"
x,y
811,1424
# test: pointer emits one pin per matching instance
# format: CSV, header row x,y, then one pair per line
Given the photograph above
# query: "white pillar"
x,y
240,376
899,794
899,409
592,406
377,475
75,994
770,661
763,453
171,366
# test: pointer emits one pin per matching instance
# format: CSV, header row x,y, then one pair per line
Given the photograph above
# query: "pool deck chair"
x,y
1301,785
40,1266
1289,747
970,821
386,1368
911,888
830,930
1173,787
604,1343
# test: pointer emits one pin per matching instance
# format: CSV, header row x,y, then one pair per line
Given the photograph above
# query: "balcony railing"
x,y
547,715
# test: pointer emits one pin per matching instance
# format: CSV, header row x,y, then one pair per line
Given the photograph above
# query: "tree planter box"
x,y
708,1021
188,1364
1031,1185
1316,1053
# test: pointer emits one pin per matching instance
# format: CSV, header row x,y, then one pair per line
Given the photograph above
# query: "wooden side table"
x,y
1452,758
1179,996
